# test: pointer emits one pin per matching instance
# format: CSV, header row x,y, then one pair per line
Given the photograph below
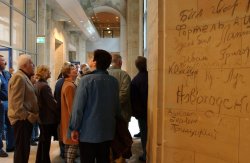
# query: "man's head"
x,y
84,69
141,63
116,61
100,60
25,63
2,63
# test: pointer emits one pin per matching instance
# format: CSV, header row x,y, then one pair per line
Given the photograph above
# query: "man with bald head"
x,y
23,107
124,86
124,81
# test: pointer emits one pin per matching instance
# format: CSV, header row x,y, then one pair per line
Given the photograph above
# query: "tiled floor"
x,y
54,152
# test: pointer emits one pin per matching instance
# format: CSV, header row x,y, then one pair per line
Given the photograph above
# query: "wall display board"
x,y
207,115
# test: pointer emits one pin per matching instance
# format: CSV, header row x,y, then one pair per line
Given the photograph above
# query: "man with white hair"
x,y
23,107
124,81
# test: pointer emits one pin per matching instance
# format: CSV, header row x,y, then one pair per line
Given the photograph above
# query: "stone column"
x,y
123,42
132,35
41,30
141,30
155,35
82,49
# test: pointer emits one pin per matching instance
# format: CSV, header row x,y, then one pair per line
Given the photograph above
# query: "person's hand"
x,y
75,136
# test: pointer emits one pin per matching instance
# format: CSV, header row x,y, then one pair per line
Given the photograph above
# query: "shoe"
x,y
62,156
33,143
36,139
10,149
3,137
3,153
142,159
137,135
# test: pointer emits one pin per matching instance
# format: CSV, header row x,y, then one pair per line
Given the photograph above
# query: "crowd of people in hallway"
x,y
88,113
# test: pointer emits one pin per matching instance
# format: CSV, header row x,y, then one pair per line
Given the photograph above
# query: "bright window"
x,y
18,30
4,24
30,36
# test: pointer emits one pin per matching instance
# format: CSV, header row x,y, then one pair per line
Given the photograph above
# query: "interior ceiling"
x,y
119,5
101,20
58,13
105,19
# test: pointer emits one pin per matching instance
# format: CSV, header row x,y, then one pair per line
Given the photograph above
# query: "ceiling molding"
x,y
74,10
107,9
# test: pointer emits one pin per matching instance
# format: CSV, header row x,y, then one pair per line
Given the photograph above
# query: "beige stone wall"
x,y
199,83
133,34
155,108
81,51
55,51
58,50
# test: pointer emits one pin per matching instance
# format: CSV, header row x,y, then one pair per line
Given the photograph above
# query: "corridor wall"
x,y
200,88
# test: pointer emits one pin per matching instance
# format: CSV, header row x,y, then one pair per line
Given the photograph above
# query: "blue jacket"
x,y
96,105
4,88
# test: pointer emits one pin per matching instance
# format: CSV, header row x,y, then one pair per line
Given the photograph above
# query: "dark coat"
x,y
57,94
48,113
139,95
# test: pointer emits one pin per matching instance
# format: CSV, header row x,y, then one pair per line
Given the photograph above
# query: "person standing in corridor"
x,y
69,73
23,107
139,100
4,120
124,81
95,108
48,114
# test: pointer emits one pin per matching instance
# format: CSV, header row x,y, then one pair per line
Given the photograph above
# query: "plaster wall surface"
x,y
199,90
133,34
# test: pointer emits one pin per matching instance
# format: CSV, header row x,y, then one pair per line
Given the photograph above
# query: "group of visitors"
x,y
88,112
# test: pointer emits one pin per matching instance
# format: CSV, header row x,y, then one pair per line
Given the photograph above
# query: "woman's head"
x,y
69,70
42,72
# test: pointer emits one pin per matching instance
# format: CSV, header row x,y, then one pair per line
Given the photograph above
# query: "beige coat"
x,y
124,91
22,100
67,97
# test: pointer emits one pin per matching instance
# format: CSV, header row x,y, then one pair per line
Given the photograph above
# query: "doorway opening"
x,y
58,58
